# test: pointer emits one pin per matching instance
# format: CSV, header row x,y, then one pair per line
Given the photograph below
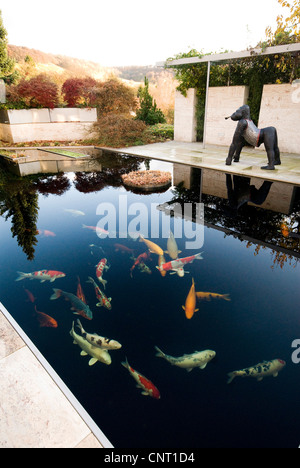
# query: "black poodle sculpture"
x,y
247,133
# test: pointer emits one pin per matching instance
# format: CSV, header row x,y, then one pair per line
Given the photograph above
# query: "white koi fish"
x,y
42,275
172,247
75,212
98,341
260,371
189,361
97,354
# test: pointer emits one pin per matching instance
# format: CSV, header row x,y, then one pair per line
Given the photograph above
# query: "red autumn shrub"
x,y
38,92
80,91
119,130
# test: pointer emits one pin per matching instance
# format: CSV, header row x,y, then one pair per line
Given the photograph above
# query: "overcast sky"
x,y
134,32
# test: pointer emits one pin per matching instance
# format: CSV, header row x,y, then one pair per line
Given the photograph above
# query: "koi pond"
x,y
171,315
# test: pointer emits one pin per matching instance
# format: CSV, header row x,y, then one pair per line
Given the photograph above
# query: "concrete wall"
x,y
68,124
280,108
222,102
185,116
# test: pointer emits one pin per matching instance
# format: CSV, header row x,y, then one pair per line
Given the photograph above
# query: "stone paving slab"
x,y
34,411
213,157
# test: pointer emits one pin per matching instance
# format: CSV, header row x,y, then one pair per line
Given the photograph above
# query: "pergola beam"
x,y
282,49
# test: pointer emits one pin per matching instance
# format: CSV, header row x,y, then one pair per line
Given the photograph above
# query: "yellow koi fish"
x,y
153,248
190,303
207,296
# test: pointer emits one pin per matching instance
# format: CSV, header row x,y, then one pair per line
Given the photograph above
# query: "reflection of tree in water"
x,y
55,184
19,201
112,170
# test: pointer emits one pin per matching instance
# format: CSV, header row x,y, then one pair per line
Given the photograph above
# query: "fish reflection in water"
x,y
96,354
189,361
259,371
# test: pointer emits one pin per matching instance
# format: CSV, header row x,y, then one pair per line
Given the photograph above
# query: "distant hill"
x,y
74,66
60,67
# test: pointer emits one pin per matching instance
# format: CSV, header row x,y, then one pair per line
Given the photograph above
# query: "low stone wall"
x,y
280,108
185,125
59,124
222,102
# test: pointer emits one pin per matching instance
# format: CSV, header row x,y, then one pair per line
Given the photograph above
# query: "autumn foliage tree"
x,y
115,97
80,92
37,92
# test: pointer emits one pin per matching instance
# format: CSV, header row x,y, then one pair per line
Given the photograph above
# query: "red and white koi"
x,y
177,266
103,300
99,231
42,275
148,388
102,265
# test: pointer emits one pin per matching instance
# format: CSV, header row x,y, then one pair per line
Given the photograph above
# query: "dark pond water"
x,y
250,252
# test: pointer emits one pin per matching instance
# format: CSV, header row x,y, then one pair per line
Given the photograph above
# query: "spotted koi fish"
x,y
42,275
98,341
148,388
103,300
260,371
207,296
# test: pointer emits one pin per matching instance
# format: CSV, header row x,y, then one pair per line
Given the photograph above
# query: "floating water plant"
x,y
147,179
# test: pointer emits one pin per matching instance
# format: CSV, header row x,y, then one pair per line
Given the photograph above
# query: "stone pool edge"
x,y
70,399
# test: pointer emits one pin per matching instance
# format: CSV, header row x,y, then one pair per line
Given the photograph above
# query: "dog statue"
x,y
247,133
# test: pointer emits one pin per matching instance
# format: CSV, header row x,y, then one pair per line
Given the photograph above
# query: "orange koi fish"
x,y
45,320
161,261
103,300
102,265
190,302
31,297
148,388
80,293
207,296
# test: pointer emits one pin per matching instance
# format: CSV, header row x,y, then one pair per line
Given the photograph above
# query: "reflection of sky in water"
x,y
198,408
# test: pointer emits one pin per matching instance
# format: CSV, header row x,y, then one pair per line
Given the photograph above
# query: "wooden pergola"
x,y
227,57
